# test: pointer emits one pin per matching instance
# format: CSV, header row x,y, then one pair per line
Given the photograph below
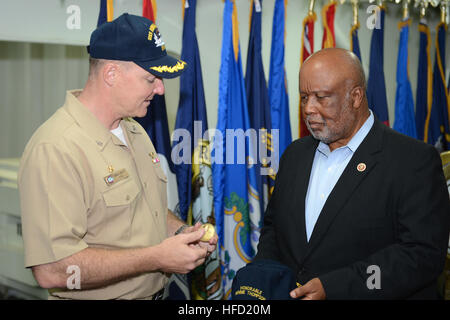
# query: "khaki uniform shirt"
x,y
80,187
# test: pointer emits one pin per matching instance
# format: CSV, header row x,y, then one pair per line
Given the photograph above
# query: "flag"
x,y
424,91
404,103
354,41
157,127
438,123
106,13
306,50
149,9
376,88
328,12
236,201
258,103
278,94
194,177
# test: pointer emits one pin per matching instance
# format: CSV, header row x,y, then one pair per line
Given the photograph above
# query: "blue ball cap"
x,y
137,39
263,279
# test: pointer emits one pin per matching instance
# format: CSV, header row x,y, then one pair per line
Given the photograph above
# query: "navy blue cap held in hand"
x,y
263,280
137,39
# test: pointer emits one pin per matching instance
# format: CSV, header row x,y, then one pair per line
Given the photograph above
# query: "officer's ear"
x,y
110,73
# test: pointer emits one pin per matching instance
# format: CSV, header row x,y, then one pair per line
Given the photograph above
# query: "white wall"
x,y
34,76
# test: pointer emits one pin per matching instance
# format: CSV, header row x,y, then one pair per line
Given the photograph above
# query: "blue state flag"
x,y
437,124
354,41
424,94
376,87
236,203
278,93
404,103
191,153
106,12
258,105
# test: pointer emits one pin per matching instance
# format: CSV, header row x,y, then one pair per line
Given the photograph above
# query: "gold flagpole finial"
x,y
444,8
311,7
379,2
406,9
355,4
422,5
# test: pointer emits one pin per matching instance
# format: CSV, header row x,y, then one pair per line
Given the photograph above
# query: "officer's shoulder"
x,y
53,130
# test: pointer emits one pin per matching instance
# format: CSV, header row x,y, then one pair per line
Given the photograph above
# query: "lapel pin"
x,y
361,167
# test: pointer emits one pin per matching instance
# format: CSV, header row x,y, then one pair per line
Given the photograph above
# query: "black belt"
x,y
159,295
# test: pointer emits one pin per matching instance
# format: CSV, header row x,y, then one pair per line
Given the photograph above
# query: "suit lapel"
x,y
362,162
300,187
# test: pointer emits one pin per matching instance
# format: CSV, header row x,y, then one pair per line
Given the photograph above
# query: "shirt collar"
x,y
91,125
357,139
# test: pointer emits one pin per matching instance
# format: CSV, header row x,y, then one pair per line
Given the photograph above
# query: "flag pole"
x,y
355,4
311,7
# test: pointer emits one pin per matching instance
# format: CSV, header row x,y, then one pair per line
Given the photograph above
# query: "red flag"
x,y
306,50
328,11
149,9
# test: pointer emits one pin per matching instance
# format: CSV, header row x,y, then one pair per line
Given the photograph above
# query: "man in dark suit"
x,y
359,211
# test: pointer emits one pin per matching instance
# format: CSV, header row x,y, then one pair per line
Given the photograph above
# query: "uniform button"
x,y
127,197
156,213
100,143
145,184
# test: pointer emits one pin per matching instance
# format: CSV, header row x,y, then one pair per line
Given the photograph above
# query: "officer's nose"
x,y
159,87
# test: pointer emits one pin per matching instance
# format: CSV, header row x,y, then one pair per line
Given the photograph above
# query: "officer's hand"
x,y
312,290
180,254
209,245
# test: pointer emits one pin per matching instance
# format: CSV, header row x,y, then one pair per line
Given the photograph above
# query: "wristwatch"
x,y
180,229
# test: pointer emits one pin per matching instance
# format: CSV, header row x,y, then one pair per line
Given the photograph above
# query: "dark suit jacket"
x,y
395,215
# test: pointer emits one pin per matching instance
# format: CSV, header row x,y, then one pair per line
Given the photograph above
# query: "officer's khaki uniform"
x,y
80,187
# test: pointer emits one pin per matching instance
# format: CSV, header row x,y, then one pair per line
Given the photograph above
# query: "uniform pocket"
x,y
122,194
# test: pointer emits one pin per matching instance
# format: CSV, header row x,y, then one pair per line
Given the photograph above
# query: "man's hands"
x,y
312,290
184,252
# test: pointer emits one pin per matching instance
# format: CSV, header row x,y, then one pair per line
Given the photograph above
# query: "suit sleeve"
x,y
415,260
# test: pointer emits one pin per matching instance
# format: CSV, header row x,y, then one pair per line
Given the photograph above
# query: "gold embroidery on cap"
x,y
150,31
179,66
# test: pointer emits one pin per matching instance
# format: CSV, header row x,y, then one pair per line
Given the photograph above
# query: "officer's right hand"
x,y
179,255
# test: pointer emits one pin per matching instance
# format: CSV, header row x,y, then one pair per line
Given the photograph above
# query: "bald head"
x,y
339,62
